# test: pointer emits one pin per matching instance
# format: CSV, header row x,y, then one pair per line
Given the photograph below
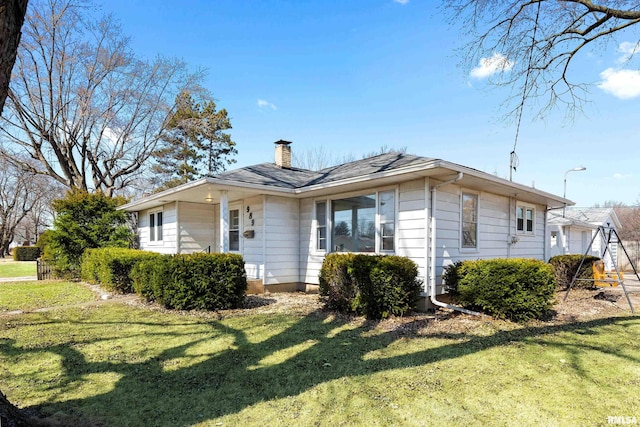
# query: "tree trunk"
x,y
11,18
10,416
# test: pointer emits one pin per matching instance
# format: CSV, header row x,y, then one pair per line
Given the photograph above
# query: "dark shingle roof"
x,y
270,174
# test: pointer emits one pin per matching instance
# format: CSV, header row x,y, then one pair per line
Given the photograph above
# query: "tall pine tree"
x,y
194,143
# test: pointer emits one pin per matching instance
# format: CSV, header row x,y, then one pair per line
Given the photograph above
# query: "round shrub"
x,y
372,285
515,289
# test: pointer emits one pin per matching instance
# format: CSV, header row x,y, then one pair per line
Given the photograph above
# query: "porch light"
x,y
208,199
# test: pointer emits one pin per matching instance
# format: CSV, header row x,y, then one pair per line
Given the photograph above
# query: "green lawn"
x,y
119,365
17,268
32,295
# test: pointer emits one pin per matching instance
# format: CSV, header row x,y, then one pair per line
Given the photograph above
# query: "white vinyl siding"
x,y
494,229
168,244
310,258
412,221
282,244
197,227
252,247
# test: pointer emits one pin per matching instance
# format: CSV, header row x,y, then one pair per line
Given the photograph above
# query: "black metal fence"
x,y
44,270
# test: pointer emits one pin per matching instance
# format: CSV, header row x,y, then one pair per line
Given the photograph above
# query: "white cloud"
x,y
266,104
623,84
628,49
492,65
402,2
621,175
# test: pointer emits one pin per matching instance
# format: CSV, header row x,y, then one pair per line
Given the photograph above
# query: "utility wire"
x,y
514,161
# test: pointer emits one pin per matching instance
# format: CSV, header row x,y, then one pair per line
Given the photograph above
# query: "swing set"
x,y
601,277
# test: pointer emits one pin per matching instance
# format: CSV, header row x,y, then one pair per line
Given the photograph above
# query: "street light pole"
x,y
564,194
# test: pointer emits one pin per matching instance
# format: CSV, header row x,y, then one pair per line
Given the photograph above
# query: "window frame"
x,y
153,216
231,229
476,196
317,226
526,208
380,224
377,220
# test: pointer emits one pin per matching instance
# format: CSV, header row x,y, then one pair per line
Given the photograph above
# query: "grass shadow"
x,y
316,349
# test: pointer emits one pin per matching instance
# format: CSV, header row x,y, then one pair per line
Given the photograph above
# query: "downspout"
x,y
432,278
509,235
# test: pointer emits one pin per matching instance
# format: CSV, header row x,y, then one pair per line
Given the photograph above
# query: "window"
x,y
155,226
469,236
363,223
321,226
525,217
387,212
234,230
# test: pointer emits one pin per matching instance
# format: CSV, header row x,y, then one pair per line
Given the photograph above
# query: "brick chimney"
x,y
283,154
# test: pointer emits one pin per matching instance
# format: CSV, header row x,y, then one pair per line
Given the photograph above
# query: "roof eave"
x,y
157,199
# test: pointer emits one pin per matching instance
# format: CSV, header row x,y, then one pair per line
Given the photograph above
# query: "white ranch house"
x,y
284,220
573,229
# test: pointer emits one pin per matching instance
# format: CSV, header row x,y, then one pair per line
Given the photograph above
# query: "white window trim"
x,y
524,231
327,225
154,212
378,240
379,224
239,208
477,247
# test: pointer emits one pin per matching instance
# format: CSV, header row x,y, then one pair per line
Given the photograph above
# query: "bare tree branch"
x,y
82,104
564,30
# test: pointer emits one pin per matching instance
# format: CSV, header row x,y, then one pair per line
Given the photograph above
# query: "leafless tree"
x,y
319,158
20,193
11,18
81,103
538,41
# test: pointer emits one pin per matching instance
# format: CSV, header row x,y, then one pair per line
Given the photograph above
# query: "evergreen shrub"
x,y
566,267
193,282
26,253
371,285
112,267
516,289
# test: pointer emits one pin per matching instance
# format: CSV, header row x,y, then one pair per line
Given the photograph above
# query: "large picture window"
x,y
525,219
155,226
469,236
364,223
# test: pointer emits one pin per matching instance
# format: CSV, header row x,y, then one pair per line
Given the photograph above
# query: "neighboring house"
x,y
284,220
571,232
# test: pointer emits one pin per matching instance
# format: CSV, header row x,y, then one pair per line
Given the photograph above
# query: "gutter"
x,y
432,278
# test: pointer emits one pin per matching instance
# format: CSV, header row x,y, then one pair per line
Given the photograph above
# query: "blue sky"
x,y
351,76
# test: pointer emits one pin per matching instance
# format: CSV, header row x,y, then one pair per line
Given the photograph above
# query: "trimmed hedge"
x,y
193,282
566,266
371,285
26,253
112,267
516,289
